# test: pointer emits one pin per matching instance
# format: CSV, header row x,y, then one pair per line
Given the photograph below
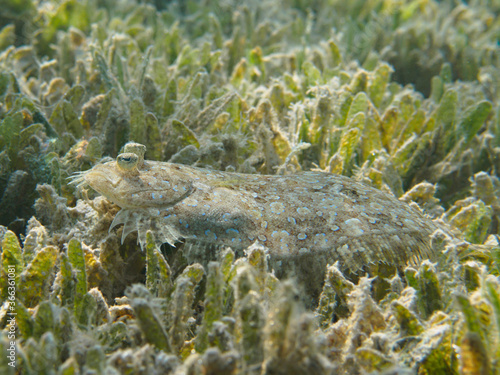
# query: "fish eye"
x,y
127,161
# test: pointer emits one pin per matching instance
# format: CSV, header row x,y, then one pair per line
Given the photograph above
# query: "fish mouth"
x,y
93,178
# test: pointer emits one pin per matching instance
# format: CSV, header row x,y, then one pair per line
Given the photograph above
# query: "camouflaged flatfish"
x,y
305,215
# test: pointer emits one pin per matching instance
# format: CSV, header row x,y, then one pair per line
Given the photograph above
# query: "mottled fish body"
x,y
309,214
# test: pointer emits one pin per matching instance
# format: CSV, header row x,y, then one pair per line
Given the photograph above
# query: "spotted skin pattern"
x,y
304,214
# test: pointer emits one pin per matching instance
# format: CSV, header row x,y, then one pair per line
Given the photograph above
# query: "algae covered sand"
x,y
399,95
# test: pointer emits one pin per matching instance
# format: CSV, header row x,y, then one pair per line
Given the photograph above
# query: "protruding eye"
x,y
127,161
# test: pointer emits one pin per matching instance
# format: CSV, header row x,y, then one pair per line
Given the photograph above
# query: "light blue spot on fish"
x,y
320,239
209,233
194,203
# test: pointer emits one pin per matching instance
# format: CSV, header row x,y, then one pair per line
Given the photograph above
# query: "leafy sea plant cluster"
x,y
402,95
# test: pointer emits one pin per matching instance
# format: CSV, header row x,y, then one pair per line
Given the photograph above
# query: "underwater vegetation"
x,y
400,95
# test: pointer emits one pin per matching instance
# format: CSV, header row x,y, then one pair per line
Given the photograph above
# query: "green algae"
x,y
150,325
393,94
